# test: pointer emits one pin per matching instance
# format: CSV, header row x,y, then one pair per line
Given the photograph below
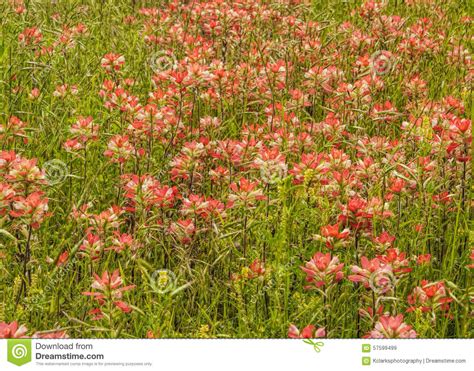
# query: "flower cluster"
x,y
280,166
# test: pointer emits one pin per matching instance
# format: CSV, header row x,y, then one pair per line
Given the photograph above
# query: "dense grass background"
x,y
205,302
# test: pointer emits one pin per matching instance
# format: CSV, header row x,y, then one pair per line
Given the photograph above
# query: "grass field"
x,y
243,169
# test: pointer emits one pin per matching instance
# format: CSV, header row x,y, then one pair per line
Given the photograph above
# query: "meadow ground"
x,y
261,169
